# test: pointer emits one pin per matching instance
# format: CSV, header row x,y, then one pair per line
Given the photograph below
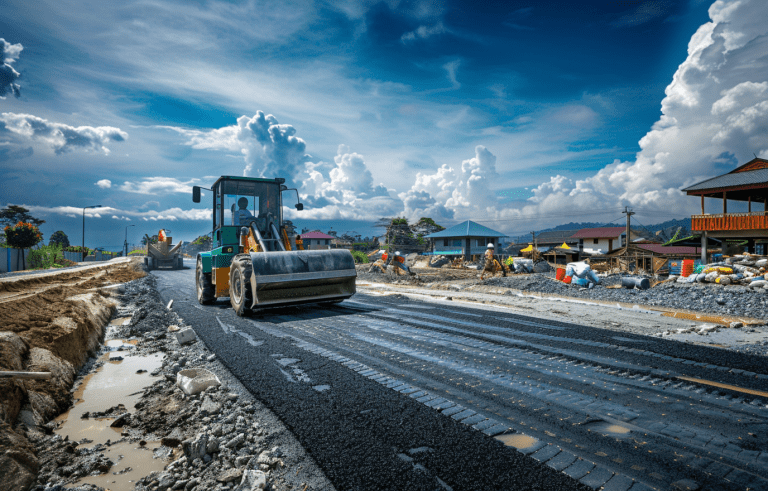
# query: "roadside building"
x,y
600,240
747,183
465,239
316,240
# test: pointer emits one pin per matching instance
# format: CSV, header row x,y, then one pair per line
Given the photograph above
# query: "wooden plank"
x,y
26,375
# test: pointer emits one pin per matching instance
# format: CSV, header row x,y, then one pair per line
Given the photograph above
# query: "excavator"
x,y
254,262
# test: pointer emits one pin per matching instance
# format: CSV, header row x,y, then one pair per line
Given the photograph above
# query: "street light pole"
x,y
83,243
126,239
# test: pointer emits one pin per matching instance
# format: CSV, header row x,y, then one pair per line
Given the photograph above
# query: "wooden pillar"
x,y
749,203
702,204
725,203
704,247
468,244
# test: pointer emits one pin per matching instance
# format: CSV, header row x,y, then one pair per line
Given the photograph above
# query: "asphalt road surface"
x,y
390,393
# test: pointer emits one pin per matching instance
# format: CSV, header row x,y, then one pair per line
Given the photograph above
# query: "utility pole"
x,y
533,239
629,214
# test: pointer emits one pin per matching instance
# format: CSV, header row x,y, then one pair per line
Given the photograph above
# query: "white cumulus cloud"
x,y
104,183
462,192
714,116
346,191
270,149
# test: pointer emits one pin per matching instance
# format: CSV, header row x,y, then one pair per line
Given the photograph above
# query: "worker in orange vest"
x,y
491,265
299,243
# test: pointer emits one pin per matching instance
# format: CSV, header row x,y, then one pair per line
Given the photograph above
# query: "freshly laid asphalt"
x,y
364,435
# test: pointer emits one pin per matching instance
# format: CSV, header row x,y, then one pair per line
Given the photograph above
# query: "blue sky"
x,y
522,115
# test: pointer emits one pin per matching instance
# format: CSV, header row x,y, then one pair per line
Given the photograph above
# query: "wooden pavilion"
x,y
746,183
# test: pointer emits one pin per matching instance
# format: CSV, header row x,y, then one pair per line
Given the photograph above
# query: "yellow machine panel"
x,y
220,278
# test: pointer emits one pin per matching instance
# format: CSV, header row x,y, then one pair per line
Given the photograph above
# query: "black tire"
x,y
206,291
240,295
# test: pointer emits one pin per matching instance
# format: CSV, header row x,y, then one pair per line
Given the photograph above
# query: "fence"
x,y
10,260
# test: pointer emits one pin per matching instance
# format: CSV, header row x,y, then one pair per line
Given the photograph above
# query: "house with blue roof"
x,y
465,239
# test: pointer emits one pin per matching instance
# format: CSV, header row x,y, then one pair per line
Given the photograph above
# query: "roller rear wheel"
x,y
206,291
240,295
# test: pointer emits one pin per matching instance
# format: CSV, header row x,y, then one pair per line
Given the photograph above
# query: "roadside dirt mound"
x,y
58,321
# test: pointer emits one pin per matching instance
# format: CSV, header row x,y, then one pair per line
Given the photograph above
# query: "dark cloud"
x,y
60,137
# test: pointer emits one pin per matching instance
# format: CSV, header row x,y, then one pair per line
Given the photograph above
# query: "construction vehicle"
x,y
163,254
252,260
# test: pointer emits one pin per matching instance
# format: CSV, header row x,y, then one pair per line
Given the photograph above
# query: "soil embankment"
x,y
49,322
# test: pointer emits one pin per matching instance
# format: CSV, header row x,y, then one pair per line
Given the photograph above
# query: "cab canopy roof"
x,y
466,229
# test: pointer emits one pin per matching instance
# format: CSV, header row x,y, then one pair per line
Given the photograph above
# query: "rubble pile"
x,y
744,270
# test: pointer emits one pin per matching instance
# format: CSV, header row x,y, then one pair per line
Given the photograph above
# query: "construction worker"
x,y
490,262
299,243
241,216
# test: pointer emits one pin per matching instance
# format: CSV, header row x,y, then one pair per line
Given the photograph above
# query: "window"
x,y
327,241
446,242
457,243
595,241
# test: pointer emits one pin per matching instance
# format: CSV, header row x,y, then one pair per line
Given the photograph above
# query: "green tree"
x,y
59,238
22,236
15,214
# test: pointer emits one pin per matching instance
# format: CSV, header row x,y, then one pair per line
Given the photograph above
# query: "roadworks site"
x,y
135,401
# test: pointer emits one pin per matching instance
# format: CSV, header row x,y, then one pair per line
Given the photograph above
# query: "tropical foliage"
x,y
47,257
360,257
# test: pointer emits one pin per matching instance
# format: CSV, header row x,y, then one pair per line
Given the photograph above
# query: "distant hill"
x,y
667,229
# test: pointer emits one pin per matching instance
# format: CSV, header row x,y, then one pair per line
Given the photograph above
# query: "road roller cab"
x,y
252,260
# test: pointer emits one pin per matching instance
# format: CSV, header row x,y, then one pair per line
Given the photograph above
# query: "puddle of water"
x,y
141,461
116,382
608,429
517,440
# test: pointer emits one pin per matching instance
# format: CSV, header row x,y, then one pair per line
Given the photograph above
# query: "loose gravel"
x,y
731,300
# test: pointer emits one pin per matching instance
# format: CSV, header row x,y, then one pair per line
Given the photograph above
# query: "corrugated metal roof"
x,y
466,229
315,234
599,233
552,236
759,176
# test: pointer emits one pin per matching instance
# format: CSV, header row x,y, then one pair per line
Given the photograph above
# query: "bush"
x,y
77,249
46,257
360,258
